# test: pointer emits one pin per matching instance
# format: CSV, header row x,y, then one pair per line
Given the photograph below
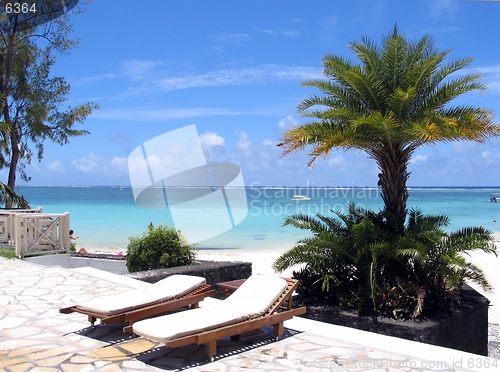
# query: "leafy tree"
x,y
33,107
159,248
357,260
397,99
10,197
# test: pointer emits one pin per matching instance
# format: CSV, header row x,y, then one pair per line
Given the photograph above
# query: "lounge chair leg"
x,y
278,329
211,349
92,319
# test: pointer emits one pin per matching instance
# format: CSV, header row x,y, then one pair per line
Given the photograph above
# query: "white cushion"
x,y
173,326
211,302
177,285
254,297
119,303
163,290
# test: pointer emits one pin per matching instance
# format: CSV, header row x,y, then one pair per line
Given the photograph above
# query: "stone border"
x,y
465,329
101,256
213,271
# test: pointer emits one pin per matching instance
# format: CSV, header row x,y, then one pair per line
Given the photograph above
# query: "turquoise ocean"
x,y
105,217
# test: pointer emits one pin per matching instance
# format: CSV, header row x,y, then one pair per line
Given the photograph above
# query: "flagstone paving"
x,y
34,336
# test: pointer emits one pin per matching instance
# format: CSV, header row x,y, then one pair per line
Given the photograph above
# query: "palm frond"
x,y
470,239
304,222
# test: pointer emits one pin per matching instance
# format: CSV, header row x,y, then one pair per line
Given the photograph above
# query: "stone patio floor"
x,y
34,336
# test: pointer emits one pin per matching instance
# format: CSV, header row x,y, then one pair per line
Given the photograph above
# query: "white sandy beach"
x,y
491,268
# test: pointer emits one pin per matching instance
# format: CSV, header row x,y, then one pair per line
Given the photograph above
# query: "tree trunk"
x,y
14,147
14,135
393,164
14,159
14,144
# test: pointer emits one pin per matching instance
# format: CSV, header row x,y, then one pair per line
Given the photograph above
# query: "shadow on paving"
x,y
109,333
194,355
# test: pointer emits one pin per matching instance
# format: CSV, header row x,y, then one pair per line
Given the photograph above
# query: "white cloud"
x,y
439,8
287,122
55,166
85,165
339,160
153,115
489,158
286,32
244,144
211,139
463,148
487,70
120,164
418,159
148,76
138,70
137,170
93,79
255,155
93,164
263,74
491,76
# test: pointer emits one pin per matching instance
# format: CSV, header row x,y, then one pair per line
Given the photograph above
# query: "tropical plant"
x,y
159,248
397,99
358,260
11,198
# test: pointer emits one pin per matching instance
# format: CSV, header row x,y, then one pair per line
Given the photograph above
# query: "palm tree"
x,y
395,101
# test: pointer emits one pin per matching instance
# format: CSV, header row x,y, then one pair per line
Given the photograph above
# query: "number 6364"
x,y
18,8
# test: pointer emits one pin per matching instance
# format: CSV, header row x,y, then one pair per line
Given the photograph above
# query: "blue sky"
x,y
234,69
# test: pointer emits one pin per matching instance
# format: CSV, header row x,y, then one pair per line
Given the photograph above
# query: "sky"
x,y
234,68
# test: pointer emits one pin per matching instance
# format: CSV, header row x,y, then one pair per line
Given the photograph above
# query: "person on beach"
x,y
71,237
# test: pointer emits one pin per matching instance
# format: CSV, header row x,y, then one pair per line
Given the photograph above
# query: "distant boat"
x,y
300,198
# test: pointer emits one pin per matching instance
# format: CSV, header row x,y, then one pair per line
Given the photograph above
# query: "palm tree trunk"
x,y
392,180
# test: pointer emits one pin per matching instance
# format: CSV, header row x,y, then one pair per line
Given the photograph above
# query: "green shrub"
x,y
360,260
160,247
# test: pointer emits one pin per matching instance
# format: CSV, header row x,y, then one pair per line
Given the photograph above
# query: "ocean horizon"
x,y
106,216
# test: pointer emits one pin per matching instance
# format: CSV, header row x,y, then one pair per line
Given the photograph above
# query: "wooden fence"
x,y
7,223
33,232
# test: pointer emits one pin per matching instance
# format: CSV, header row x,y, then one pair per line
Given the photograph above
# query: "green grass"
x,y
7,252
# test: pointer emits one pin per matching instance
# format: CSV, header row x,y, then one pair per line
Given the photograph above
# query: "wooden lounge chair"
x,y
171,293
261,301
